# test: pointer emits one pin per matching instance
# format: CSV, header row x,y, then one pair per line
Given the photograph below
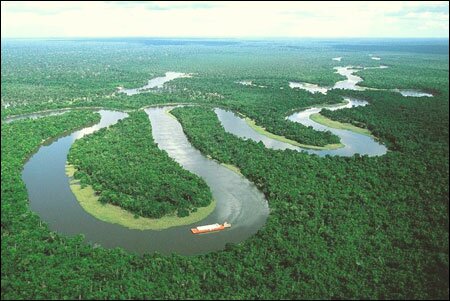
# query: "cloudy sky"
x,y
224,19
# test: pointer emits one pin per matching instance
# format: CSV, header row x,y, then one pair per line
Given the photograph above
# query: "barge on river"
x,y
210,228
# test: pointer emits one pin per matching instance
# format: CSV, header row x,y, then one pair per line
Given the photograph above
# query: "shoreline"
x,y
116,215
263,131
320,119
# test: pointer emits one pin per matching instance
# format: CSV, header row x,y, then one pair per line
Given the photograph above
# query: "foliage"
x,y
353,228
126,168
377,225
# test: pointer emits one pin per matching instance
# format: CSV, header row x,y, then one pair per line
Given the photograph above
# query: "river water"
x,y
36,115
351,83
157,82
353,142
238,200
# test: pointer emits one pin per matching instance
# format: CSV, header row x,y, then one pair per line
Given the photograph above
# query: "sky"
x,y
34,19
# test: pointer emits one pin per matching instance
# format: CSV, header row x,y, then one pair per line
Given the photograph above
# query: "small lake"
x,y
245,82
413,93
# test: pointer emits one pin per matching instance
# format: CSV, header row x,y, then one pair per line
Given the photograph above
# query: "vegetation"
x,y
88,199
263,131
339,228
126,168
345,206
97,68
266,108
232,168
319,118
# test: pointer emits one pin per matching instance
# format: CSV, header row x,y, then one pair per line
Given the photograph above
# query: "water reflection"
x,y
413,93
157,82
312,88
238,200
353,142
35,115
351,83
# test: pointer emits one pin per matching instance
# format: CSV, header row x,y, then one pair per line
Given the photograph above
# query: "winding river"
x,y
157,82
238,200
351,83
353,142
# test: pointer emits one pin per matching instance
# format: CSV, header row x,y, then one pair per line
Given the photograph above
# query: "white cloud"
x,y
224,19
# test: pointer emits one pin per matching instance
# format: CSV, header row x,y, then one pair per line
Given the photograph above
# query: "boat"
x,y
210,228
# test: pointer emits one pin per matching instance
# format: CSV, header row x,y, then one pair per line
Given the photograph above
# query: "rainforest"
x,y
328,157
104,160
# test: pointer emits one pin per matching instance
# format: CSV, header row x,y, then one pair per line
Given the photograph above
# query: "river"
x,y
353,142
157,82
351,83
238,200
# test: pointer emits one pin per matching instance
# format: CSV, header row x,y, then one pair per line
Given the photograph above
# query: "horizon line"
x,y
217,37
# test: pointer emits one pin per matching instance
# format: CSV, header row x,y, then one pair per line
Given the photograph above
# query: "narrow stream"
x,y
157,82
353,142
36,115
351,83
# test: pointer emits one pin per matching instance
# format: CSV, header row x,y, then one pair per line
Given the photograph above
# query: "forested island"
x,y
134,173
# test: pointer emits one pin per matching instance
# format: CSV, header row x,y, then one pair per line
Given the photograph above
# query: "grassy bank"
x,y
114,214
317,117
262,131
232,168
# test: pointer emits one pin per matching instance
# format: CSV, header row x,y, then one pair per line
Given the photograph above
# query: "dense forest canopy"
x,y
134,173
340,205
358,227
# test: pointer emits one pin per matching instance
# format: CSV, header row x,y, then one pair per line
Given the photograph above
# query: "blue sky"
x,y
225,19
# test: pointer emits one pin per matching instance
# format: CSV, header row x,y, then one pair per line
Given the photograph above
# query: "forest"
x,y
339,227
348,206
134,173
